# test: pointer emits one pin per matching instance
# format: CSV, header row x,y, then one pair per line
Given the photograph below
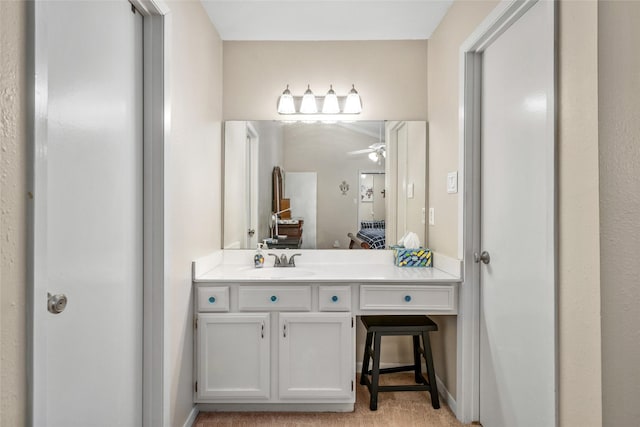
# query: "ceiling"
x,y
291,20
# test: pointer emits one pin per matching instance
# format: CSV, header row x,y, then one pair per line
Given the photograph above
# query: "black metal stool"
x,y
417,326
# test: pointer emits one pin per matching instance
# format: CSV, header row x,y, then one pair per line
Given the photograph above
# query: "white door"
x,y
233,356
316,356
302,191
517,316
88,216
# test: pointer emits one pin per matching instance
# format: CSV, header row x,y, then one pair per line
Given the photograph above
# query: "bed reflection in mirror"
x,y
323,186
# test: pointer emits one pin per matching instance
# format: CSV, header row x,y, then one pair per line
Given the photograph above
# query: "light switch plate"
x,y
432,216
410,191
452,182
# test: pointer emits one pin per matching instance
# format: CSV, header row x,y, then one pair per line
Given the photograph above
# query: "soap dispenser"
x,y
258,258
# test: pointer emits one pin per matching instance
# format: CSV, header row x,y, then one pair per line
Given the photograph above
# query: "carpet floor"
x,y
402,409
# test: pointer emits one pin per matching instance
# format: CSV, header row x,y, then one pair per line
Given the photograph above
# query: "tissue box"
x,y
420,257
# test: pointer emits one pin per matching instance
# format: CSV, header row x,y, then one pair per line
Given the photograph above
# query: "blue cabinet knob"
x,y
212,300
334,298
274,298
407,298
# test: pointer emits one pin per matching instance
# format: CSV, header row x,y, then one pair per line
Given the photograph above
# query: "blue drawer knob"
x,y
212,300
334,298
274,298
407,298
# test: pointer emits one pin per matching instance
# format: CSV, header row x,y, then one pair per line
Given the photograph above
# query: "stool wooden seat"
x,y
417,326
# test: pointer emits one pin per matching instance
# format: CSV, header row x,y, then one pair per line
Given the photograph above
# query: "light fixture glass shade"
x,y
353,104
309,105
285,103
330,104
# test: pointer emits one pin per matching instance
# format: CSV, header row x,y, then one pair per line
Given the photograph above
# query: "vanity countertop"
x,y
352,267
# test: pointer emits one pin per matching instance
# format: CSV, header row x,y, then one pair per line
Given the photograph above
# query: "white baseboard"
x,y
444,393
442,390
192,417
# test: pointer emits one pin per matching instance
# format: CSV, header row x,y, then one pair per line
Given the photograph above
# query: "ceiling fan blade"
x,y
365,151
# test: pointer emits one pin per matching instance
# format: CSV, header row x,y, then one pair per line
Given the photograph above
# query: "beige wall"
x,y
578,261
444,79
389,75
193,184
13,212
443,76
619,146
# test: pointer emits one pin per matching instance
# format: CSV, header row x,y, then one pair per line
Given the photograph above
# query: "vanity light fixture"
x,y
309,105
353,104
285,104
331,104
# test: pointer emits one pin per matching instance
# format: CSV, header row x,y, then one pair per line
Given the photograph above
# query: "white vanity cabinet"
x,y
316,356
275,347
233,356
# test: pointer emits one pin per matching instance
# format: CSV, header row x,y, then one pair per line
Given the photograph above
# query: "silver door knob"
x,y
484,257
56,303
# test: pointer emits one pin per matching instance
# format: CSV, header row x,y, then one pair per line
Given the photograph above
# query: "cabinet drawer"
x,y
432,298
213,298
274,298
334,298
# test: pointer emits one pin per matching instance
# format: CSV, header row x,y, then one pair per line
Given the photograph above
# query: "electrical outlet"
x,y
432,216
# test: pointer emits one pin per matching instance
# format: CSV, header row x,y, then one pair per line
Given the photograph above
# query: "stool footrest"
x,y
424,387
396,369
404,388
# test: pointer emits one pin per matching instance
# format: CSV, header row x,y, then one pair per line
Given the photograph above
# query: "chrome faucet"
x,y
281,261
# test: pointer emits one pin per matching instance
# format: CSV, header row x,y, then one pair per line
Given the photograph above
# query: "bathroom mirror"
x,y
323,185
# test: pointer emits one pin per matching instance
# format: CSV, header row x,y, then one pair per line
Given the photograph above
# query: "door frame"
x,y
392,167
253,179
505,14
156,127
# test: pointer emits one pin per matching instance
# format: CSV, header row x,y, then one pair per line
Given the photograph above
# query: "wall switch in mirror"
x,y
432,216
423,219
410,191
452,182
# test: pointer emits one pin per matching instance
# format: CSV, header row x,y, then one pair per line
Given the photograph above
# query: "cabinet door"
x,y
316,356
233,356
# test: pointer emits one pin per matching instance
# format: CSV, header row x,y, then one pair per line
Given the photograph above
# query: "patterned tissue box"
x,y
420,257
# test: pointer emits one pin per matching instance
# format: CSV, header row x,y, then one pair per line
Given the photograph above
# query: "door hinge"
x,y
352,322
197,385
351,385
195,323
134,10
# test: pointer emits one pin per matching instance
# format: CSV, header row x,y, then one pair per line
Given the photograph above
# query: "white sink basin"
x,y
280,272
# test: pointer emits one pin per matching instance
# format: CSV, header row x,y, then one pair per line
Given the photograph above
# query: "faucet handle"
x,y
277,262
291,261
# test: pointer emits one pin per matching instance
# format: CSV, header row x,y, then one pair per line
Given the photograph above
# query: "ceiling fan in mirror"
x,y
376,152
